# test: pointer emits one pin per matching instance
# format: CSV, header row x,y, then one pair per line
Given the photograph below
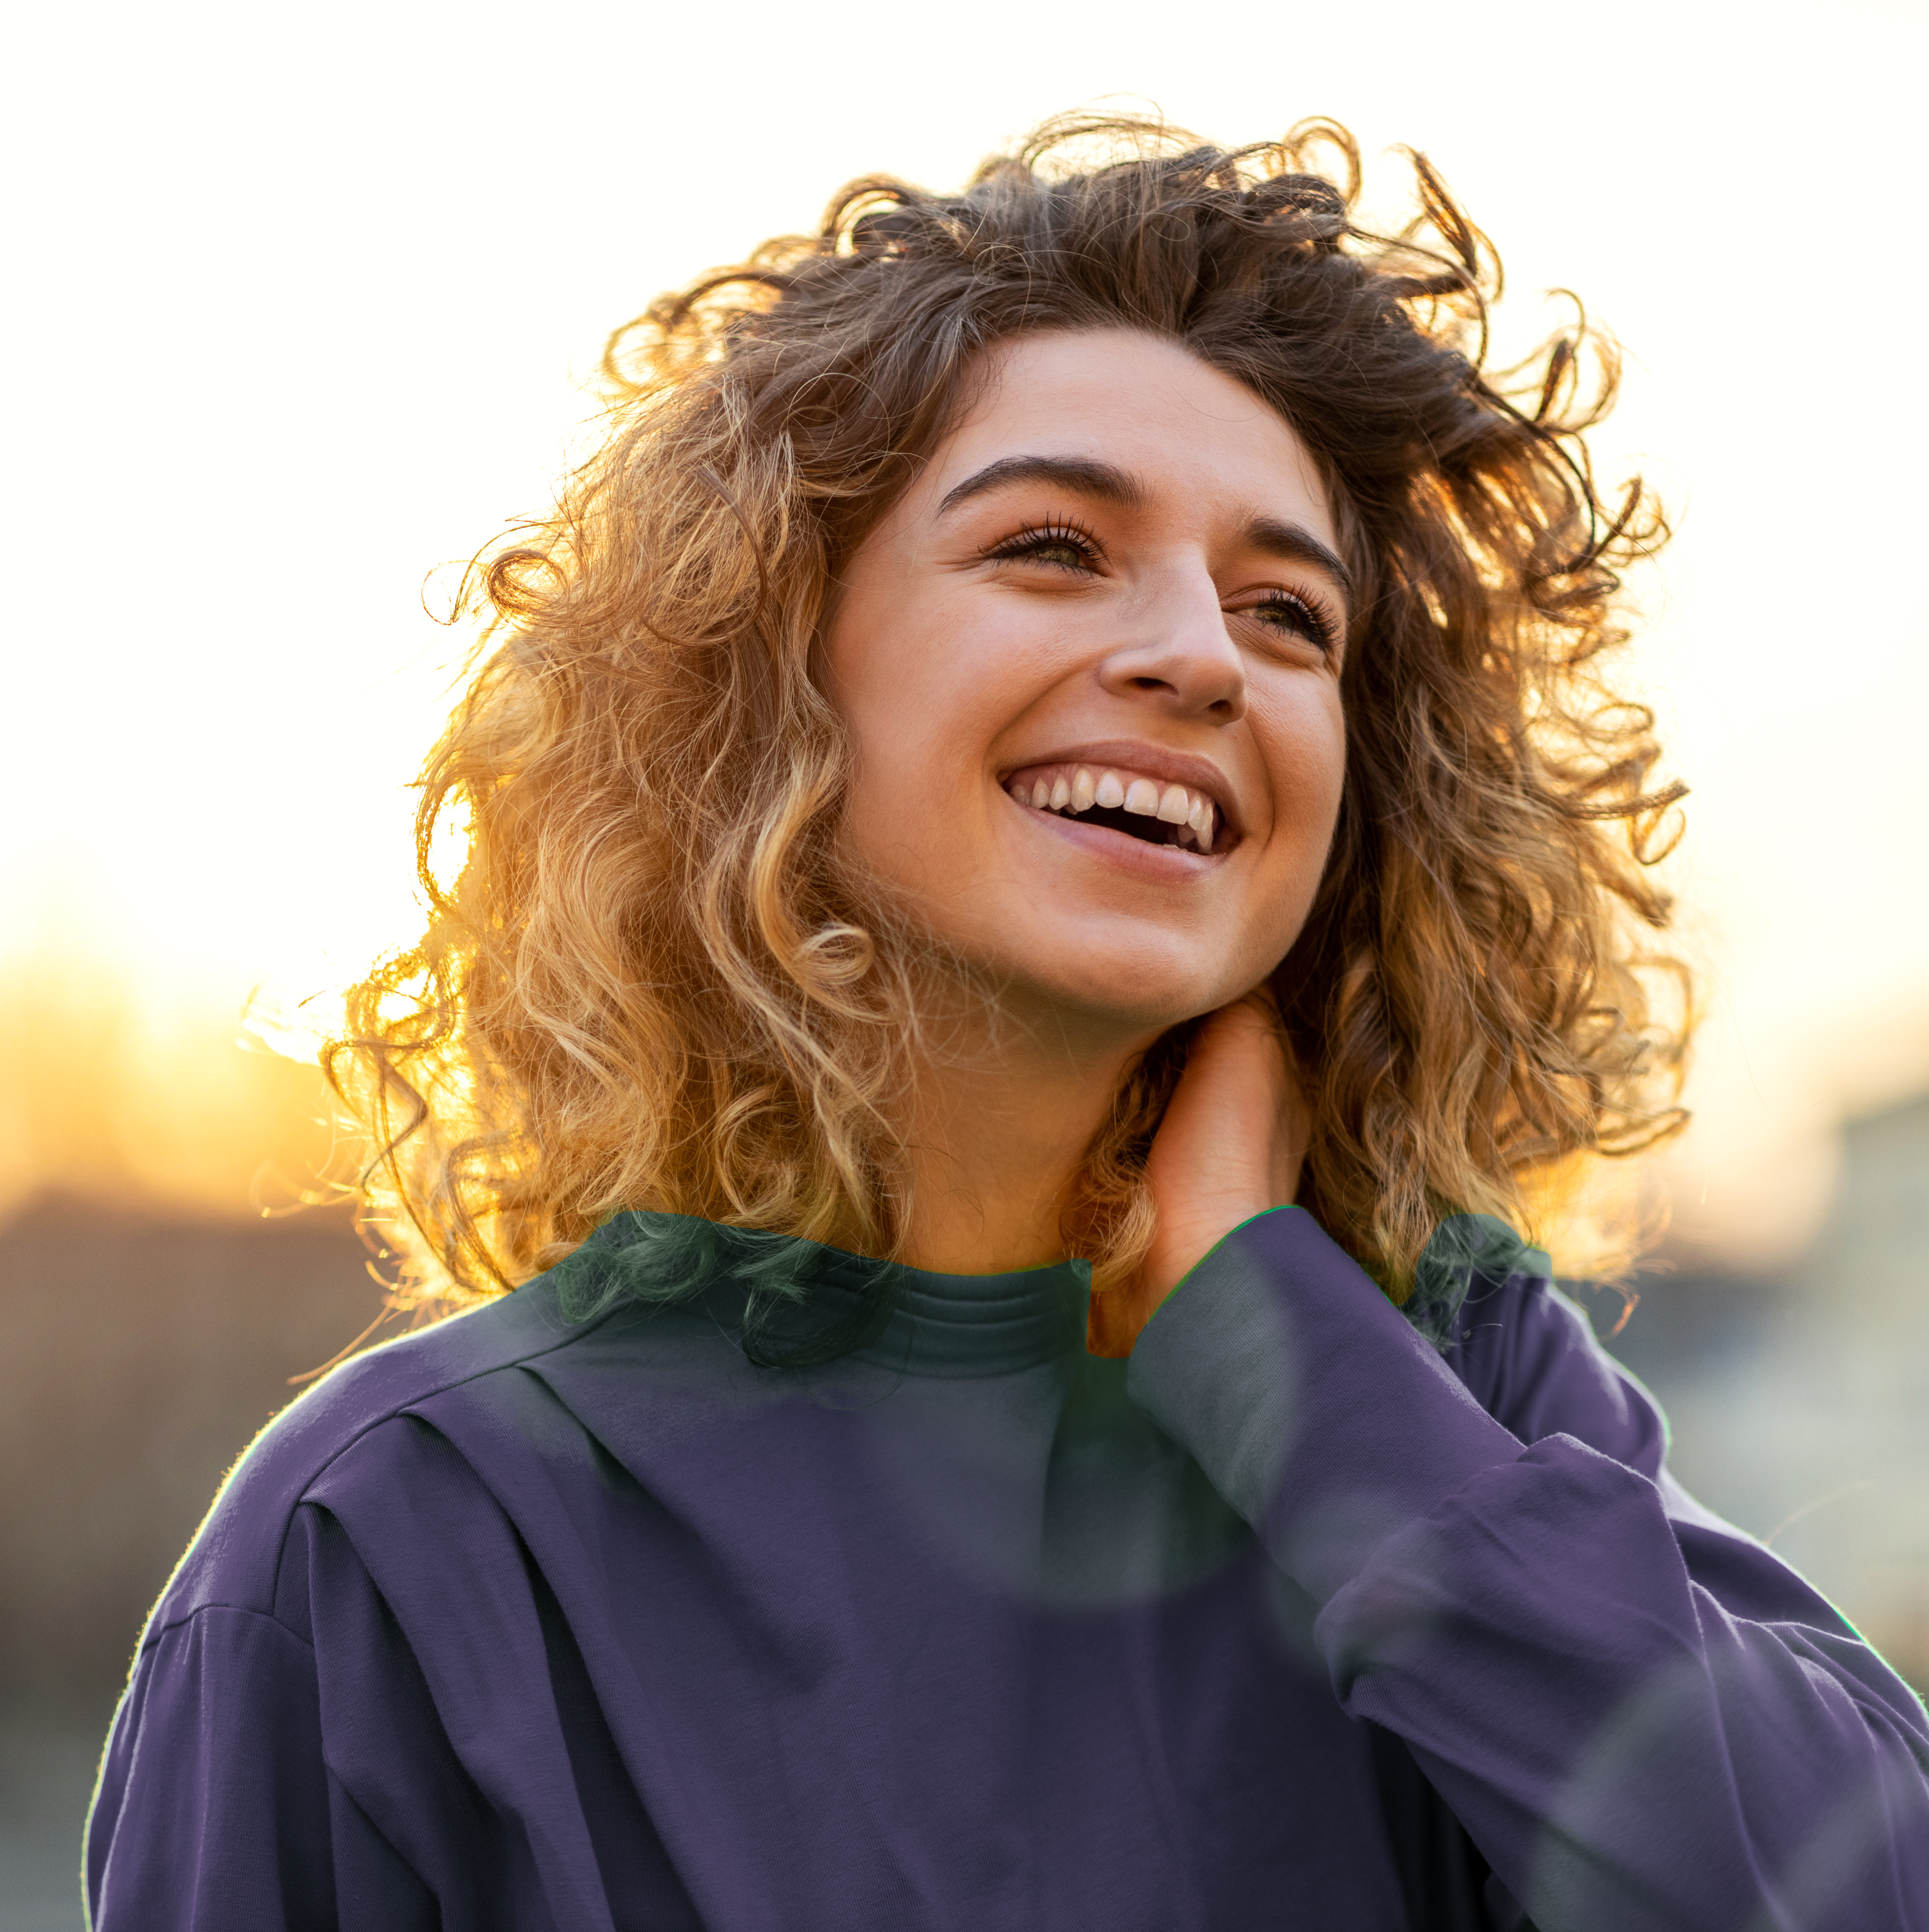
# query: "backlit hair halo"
x,y
654,982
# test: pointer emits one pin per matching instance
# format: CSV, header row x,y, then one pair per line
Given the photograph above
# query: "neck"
x,y
998,1124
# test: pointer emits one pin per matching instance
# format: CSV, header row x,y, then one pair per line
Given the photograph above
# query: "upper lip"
x,y
1149,760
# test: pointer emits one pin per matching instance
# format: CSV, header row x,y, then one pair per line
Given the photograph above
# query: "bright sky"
x,y
304,300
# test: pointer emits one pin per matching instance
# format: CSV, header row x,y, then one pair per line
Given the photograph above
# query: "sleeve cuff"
x,y
1310,1401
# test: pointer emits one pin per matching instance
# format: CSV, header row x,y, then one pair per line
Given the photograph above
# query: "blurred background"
x,y
306,302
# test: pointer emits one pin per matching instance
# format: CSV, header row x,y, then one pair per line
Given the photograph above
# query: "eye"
x,y
1298,614
1059,546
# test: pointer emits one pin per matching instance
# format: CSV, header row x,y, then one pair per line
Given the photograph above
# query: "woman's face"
x,y
1091,665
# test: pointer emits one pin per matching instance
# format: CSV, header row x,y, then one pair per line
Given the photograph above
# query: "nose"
x,y
1179,655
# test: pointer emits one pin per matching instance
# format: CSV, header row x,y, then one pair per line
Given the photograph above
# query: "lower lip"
x,y
1166,862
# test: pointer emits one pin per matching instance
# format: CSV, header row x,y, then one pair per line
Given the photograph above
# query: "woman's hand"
x,y
1230,1146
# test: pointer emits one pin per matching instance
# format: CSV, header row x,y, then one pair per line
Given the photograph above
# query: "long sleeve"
x,y
218,1810
403,1740
1642,1718
212,1794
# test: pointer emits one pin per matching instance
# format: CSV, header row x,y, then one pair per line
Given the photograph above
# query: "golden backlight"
x,y
308,314
106,1099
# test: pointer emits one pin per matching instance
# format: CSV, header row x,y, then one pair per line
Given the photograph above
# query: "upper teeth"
x,y
1075,789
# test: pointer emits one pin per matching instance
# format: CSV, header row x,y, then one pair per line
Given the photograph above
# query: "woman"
x,y
1062,720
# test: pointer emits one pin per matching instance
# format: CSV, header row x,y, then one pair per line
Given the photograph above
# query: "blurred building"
x,y
1799,1403
140,1351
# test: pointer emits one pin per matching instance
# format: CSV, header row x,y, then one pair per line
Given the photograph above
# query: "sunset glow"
x,y
295,346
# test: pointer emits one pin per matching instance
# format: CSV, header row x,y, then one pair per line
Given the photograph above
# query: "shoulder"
x,y
234,1557
1528,1356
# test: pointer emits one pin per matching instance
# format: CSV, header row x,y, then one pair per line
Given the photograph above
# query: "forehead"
x,y
1193,438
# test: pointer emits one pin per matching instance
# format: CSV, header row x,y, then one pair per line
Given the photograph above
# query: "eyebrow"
x,y
1291,543
1101,480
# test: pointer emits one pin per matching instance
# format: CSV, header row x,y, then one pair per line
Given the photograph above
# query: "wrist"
x,y
1175,1253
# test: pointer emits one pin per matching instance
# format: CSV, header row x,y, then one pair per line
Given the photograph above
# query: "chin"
x,y
1129,994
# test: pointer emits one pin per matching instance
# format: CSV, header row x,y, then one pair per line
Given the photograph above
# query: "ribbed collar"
x,y
945,1325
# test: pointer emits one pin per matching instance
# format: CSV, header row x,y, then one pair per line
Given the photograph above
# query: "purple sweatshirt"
x,y
526,1621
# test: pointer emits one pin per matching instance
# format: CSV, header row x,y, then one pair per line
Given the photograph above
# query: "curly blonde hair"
x,y
653,983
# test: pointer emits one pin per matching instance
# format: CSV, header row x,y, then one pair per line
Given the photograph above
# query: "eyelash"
x,y
1321,624
1314,615
1050,535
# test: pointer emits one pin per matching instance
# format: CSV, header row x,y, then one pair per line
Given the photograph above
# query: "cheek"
x,y
916,688
927,674
1305,741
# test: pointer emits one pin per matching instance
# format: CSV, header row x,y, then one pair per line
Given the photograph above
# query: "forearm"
x,y
1625,1749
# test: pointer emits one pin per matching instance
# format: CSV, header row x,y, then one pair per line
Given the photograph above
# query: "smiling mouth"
x,y
1142,808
